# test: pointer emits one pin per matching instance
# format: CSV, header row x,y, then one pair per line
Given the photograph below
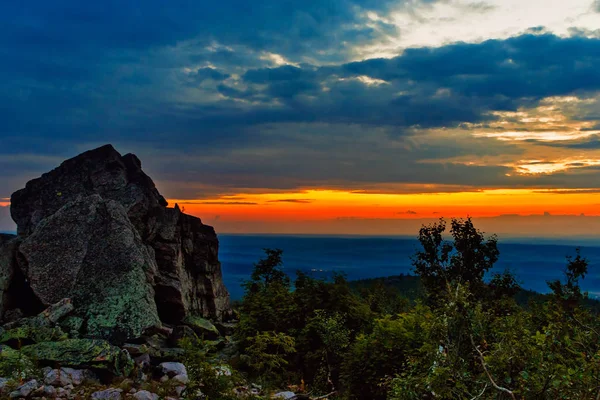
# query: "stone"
x,y
96,230
143,361
3,384
172,369
135,350
104,267
226,328
94,354
145,395
181,378
108,394
78,376
285,395
167,354
21,364
182,332
202,327
65,376
57,377
25,389
41,328
49,391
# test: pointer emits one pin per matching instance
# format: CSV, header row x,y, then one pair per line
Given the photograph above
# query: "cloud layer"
x,y
228,96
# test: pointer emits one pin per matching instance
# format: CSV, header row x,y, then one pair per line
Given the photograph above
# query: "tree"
x,y
444,265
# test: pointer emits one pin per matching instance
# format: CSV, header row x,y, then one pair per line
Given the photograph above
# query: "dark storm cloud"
x,y
428,87
203,74
192,79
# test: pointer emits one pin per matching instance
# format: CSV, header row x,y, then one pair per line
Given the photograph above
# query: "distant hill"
x,y
410,287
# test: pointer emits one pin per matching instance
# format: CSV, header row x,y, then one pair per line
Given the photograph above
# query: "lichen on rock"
x,y
94,354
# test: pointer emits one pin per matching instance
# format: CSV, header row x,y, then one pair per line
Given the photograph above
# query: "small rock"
x,y
145,395
135,350
77,375
181,378
49,391
285,395
143,360
25,389
3,383
182,332
164,378
126,384
173,368
108,394
57,377
179,390
202,327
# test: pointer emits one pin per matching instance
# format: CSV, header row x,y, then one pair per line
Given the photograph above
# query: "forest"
x,y
453,331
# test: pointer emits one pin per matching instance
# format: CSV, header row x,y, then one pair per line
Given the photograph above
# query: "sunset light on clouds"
x,y
350,118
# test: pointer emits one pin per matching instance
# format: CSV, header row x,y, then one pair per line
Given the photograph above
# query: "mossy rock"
x,y
167,354
202,327
15,364
95,354
72,325
30,334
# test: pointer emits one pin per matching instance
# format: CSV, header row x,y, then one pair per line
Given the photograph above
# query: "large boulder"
x,y
97,230
90,251
100,171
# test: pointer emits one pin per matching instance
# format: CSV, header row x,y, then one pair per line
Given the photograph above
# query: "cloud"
x,y
214,101
298,201
409,212
202,74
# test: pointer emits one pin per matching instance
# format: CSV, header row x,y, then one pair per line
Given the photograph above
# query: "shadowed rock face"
x,y
101,171
8,251
97,230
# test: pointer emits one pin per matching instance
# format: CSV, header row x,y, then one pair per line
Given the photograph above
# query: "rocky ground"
x,y
39,360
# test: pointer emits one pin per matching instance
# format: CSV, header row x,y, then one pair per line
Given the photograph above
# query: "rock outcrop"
x,y
8,251
96,230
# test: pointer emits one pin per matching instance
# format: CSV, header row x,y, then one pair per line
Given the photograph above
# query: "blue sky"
x,y
226,97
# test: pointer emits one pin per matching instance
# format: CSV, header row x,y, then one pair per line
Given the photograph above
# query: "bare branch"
x,y
500,388
480,394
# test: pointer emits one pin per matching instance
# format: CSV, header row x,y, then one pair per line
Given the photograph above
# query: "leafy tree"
x,y
267,354
444,265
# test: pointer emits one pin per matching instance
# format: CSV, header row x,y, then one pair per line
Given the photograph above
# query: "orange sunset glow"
x,y
327,211
330,204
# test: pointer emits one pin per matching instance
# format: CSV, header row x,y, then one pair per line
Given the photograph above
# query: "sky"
x,y
319,116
